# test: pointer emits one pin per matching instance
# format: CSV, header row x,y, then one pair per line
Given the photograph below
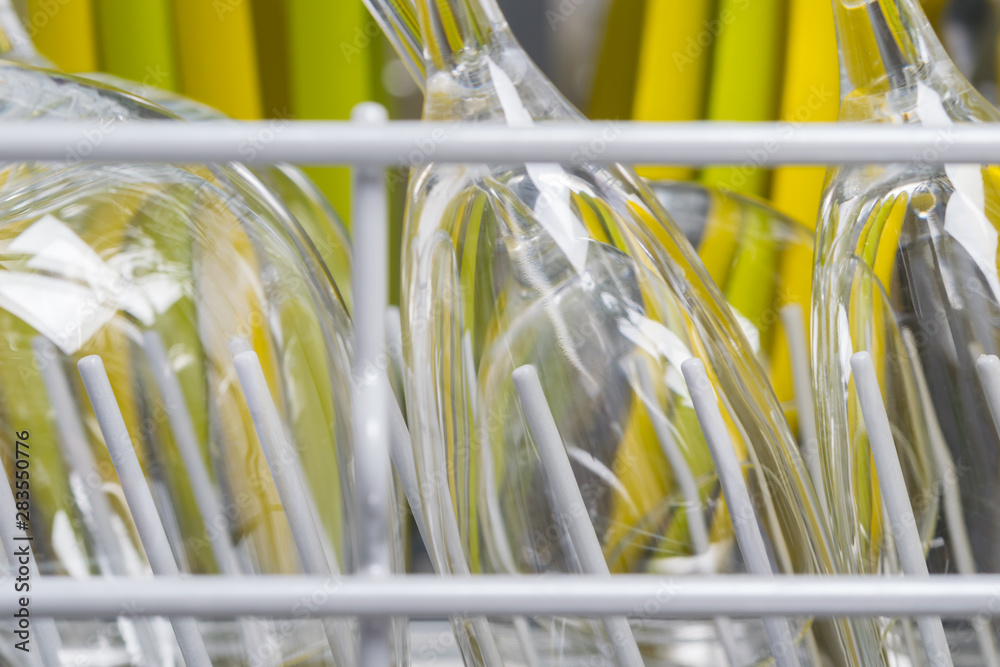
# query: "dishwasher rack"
x,y
371,144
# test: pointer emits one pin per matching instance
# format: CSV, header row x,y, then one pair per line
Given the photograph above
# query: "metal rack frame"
x,y
411,143
371,144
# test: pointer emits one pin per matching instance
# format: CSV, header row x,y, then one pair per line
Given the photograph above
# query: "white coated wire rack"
x,y
371,144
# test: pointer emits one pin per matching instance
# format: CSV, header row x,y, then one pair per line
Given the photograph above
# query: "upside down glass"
x,y
907,270
578,271
99,259
295,191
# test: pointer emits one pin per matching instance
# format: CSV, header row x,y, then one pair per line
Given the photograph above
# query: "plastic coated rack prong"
x,y
255,633
741,509
76,449
206,498
695,510
140,500
282,462
805,406
896,499
569,502
988,367
961,546
369,280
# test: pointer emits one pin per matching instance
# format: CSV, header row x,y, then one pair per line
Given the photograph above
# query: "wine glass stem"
x,y
398,20
453,27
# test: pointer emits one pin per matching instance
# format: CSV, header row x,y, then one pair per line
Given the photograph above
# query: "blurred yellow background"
x,y
250,59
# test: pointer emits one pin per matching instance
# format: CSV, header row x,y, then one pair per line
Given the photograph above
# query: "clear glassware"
x,y
578,271
109,259
295,191
748,247
907,270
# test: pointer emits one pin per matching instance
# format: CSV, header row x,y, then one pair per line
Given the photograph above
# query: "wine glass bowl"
x,y
171,274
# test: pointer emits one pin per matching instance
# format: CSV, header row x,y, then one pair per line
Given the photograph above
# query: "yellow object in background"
x,y
795,279
334,53
271,30
675,54
746,78
218,55
720,241
63,31
615,80
745,86
136,41
811,93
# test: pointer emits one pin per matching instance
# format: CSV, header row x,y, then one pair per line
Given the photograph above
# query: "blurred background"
x,y
615,59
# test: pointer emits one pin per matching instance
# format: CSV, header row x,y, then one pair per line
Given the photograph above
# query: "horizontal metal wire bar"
x,y
413,143
426,596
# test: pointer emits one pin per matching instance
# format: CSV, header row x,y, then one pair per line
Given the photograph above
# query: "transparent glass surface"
x,y
578,271
761,260
294,190
101,259
907,270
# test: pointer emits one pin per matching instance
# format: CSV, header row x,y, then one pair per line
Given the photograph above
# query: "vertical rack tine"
x,y
401,452
988,367
402,460
452,538
694,508
15,541
798,351
208,502
210,506
369,279
76,449
400,445
140,500
523,632
805,407
569,502
961,546
282,462
521,628
741,509
281,457
896,498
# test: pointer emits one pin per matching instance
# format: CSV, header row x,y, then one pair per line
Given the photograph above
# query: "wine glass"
x,y
177,277
578,272
906,270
